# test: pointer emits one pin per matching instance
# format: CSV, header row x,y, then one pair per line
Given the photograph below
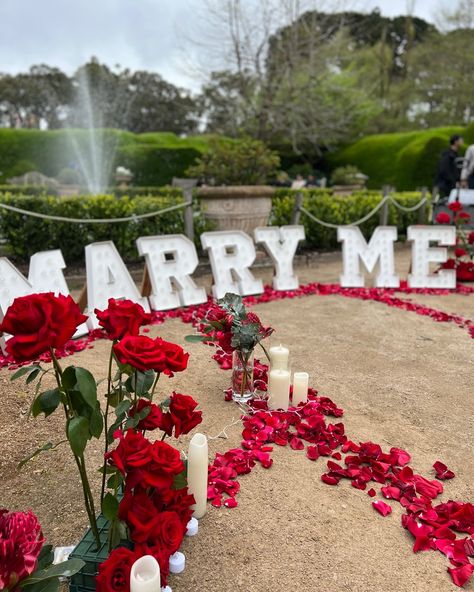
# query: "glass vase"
x,y
242,376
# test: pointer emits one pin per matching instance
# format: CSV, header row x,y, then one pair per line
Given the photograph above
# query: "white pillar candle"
x,y
278,389
279,357
300,388
145,575
198,460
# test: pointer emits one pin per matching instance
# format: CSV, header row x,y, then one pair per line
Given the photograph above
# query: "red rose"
x,y
140,514
170,532
114,572
38,322
153,420
470,238
182,413
176,358
443,218
122,317
176,500
464,216
141,352
132,452
21,541
165,463
459,252
455,206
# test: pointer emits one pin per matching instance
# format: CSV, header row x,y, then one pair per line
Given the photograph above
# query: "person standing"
x,y
467,172
448,173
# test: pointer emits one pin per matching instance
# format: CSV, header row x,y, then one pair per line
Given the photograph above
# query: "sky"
x,y
138,34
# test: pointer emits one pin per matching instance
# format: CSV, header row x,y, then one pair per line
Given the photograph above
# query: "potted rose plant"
x,y
463,261
234,174
144,499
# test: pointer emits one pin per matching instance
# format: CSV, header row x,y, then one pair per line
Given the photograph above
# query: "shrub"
x,y
406,161
340,210
347,175
26,235
69,176
239,162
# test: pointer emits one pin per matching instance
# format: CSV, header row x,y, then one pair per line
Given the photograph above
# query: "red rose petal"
x,y
230,502
372,492
461,575
442,471
382,507
330,479
312,452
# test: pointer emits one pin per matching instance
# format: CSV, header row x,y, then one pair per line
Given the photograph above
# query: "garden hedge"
x,y
406,161
154,158
25,235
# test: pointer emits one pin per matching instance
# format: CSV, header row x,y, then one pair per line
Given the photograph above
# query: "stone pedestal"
x,y
236,208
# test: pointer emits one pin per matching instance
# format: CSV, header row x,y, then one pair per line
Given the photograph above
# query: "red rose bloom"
x,y
132,452
170,532
141,352
114,572
122,317
456,206
443,218
460,252
38,322
140,514
464,216
176,500
153,420
470,238
21,541
183,414
176,358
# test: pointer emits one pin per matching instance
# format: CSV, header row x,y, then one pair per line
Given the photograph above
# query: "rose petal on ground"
x,y
330,479
461,575
230,502
442,471
312,452
372,492
382,508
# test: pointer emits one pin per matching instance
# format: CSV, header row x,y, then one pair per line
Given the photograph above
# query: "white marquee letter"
x,y
422,255
280,244
380,248
231,252
179,267
107,277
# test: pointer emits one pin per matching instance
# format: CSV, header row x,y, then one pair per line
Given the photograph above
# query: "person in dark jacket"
x,y
448,173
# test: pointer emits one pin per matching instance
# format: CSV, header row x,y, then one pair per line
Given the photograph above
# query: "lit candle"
x,y
278,389
300,388
279,357
145,575
198,459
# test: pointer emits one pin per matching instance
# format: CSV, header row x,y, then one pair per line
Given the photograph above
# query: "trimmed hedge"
x,y
154,158
341,210
406,161
26,235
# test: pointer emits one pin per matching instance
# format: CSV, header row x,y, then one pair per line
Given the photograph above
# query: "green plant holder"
x,y
86,549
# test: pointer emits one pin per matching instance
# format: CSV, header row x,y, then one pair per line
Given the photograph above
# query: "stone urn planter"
x,y
237,207
346,190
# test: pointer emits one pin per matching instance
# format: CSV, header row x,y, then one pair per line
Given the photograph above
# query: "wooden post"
x,y
296,215
187,186
145,288
422,209
384,209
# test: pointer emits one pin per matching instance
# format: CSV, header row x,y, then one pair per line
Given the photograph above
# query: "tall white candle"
x,y
198,460
145,575
278,389
300,388
279,357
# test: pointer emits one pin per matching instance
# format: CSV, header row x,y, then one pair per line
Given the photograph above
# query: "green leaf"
x,y
122,408
68,378
46,402
180,481
32,375
78,434
24,370
110,506
196,338
96,422
115,480
87,386
44,448
46,585
45,557
65,569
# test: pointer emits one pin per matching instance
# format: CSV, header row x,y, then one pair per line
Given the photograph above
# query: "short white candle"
x,y
192,527
145,575
198,460
300,388
177,562
279,357
278,389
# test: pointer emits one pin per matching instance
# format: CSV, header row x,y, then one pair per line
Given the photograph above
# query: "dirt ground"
x,y
402,380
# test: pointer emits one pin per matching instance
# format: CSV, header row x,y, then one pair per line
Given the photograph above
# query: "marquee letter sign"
x,y
423,255
355,249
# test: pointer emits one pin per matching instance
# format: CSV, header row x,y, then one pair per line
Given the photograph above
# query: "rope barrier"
x,y
132,218
367,216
